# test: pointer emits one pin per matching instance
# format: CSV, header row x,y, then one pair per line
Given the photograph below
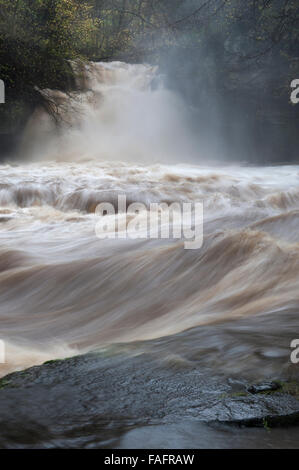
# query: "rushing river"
x,y
230,306
63,290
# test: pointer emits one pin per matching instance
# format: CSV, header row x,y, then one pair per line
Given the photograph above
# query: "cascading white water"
x,y
123,113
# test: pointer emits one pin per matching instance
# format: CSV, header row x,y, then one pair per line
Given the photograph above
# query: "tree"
x,y
37,40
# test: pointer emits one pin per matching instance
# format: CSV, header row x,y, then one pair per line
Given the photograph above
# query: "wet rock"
x,y
95,399
264,387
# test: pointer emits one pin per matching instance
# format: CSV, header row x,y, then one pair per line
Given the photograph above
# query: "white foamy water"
x,y
124,113
64,291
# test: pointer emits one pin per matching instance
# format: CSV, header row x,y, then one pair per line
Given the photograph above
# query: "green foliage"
x,y
37,38
4,383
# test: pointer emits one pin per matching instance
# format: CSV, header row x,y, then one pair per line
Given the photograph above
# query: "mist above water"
x,y
123,112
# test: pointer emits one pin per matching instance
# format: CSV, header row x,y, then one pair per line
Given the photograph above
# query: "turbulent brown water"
x,y
64,291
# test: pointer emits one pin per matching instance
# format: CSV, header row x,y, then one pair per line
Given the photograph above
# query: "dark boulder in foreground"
x,y
99,401
264,387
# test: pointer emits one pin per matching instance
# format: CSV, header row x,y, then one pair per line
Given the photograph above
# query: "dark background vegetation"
x,y
231,60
